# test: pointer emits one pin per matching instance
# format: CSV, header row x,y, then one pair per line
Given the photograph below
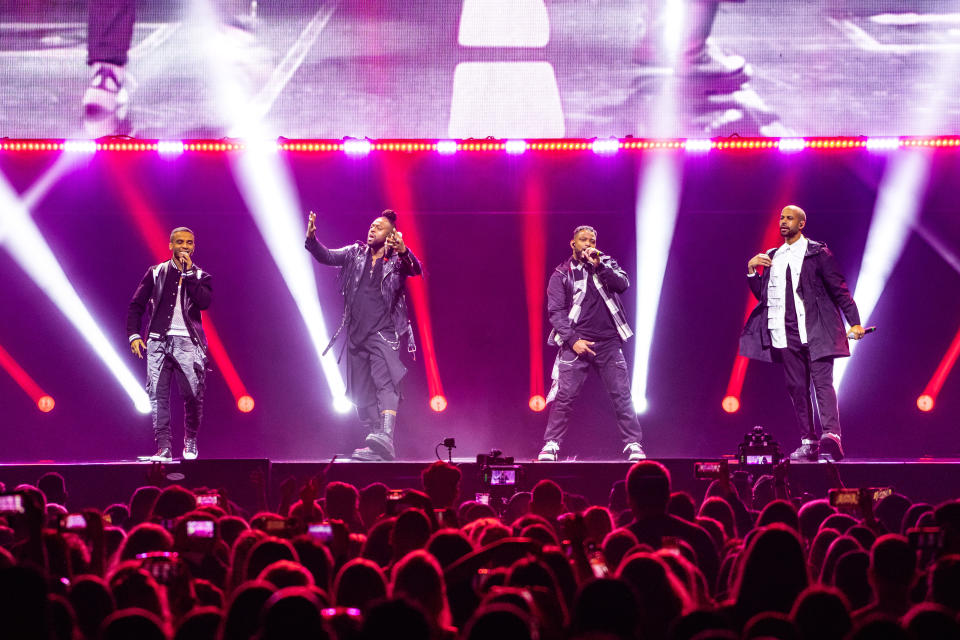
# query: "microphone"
x,y
866,330
593,251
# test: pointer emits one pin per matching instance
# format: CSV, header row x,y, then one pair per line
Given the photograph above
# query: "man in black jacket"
x,y
372,280
173,293
797,322
589,326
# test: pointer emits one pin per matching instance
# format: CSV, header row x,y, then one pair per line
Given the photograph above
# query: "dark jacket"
x,y
824,292
352,259
560,296
157,294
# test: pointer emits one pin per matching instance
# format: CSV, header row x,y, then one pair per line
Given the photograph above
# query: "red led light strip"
x,y
537,145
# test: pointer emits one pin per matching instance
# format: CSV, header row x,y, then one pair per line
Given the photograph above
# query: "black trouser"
x,y
610,364
800,372
110,27
374,373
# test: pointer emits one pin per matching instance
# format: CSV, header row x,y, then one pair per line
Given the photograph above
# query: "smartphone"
x,y
200,528
395,494
275,527
73,522
881,493
598,565
500,477
706,470
844,498
925,538
208,500
482,498
164,566
322,531
11,503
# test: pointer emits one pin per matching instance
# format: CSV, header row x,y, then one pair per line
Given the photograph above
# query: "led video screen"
x,y
478,68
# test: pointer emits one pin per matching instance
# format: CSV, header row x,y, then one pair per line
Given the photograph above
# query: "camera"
x,y
759,448
11,503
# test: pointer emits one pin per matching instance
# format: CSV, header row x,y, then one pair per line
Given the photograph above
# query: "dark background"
x,y
468,213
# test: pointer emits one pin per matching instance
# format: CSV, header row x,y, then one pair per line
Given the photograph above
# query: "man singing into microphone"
x,y
589,326
372,279
797,322
173,293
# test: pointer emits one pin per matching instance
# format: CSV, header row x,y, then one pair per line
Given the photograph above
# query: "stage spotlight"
x,y
791,145
606,146
515,147
658,200
46,404
354,147
925,403
446,147
26,245
80,146
698,145
935,384
537,403
169,147
267,188
899,198
438,403
731,404
883,144
245,404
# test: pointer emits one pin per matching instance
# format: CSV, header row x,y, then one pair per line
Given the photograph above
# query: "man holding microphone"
x,y
173,293
589,326
801,294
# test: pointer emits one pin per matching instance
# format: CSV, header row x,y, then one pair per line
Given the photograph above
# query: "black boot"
x,y
381,441
808,451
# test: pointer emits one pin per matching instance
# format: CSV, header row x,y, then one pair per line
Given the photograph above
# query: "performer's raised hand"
x,y
311,225
593,255
136,346
186,262
759,260
395,242
582,346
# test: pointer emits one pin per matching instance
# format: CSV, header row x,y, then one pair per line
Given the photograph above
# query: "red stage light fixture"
x,y
538,403
245,404
925,403
731,404
929,398
438,403
46,404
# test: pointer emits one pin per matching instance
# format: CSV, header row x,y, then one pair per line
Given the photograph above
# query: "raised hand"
x,y
395,242
311,225
759,260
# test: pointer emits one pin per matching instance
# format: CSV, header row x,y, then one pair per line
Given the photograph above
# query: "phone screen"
x,y
209,500
75,521
11,503
322,531
200,528
482,498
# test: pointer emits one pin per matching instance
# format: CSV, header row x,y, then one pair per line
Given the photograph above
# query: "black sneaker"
x,y
809,451
830,447
163,454
190,449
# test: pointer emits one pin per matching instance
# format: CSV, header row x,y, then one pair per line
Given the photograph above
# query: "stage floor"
x,y
101,483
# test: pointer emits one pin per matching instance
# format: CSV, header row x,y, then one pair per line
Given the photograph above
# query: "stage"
x,y
103,483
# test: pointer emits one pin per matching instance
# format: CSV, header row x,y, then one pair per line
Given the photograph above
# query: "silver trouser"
x,y
180,358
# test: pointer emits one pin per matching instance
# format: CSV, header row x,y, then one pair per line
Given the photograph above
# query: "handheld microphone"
x,y
593,251
866,330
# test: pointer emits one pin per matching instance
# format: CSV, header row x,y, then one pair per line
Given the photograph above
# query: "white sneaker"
x,y
549,451
106,101
634,452
189,449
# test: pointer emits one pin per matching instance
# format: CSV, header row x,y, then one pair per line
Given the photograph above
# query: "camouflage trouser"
x,y
178,357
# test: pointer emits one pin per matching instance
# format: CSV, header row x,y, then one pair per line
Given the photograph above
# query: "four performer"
x,y
797,322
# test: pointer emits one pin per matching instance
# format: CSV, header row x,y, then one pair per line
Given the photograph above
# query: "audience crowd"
x,y
748,561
